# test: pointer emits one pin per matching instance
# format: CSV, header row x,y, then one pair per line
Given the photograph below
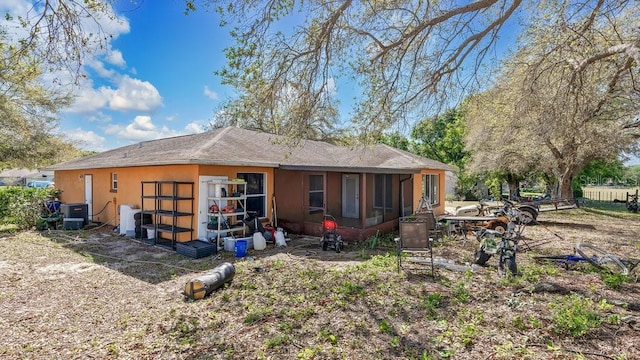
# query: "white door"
x,y
88,194
204,192
351,196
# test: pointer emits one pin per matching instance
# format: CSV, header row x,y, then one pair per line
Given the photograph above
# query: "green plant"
x,y
278,340
385,327
256,315
23,206
574,314
460,292
614,280
375,240
395,342
518,323
468,334
431,304
308,354
350,290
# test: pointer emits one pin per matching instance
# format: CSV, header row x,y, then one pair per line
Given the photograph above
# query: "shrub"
x,y
23,206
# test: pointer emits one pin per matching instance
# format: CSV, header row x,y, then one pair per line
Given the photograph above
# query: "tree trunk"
x,y
514,184
566,192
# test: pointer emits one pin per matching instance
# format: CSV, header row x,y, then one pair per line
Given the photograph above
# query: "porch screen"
x,y
316,194
383,194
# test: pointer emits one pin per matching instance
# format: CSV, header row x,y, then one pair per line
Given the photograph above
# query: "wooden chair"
x,y
417,234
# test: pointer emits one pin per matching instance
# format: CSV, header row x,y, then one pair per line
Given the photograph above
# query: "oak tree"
x,y
569,95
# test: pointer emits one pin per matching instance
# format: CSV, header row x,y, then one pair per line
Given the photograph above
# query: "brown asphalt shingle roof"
x,y
242,147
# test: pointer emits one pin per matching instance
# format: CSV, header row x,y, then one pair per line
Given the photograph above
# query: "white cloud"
x,y
87,140
142,128
135,95
194,128
115,57
129,95
210,93
99,68
88,100
99,117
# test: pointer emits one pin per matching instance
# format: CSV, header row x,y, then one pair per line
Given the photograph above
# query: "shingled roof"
x,y
241,147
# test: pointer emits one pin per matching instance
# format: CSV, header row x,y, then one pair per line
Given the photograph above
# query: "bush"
x,y
23,206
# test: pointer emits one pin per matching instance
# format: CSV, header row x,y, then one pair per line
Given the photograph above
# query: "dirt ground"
x,y
94,294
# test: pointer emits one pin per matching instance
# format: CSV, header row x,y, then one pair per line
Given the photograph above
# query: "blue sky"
x,y
154,79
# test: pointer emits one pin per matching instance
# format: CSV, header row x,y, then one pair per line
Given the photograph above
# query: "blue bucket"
x,y
241,248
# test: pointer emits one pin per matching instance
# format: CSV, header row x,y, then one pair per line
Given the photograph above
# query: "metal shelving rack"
x,y
171,200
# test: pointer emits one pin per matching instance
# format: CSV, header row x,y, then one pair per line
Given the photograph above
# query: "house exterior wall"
x,y
288,185
105,201
290,195
418,189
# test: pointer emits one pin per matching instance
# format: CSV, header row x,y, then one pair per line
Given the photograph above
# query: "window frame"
x,y
255,195
431,185
114,182
316,209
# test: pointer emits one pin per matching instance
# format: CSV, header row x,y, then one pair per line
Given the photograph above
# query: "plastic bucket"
x,y
151,233
241,248
280,240
229,244
259,242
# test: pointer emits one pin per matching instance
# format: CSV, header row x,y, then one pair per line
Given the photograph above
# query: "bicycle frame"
x,y
600,259
507,245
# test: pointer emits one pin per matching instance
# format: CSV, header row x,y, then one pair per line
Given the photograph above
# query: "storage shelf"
x,y
227,214
167,213
228,198
231,188
221,230
172,198
167,228
167,197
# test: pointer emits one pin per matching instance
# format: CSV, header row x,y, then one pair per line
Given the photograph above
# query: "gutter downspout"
x,y
401,197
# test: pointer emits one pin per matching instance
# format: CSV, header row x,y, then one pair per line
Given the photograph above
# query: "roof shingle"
x,y
241,147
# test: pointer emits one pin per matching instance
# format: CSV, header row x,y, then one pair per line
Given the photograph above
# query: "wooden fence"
x,y
607,194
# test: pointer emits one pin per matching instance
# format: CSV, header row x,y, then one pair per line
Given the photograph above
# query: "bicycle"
x,y
598,258
504,244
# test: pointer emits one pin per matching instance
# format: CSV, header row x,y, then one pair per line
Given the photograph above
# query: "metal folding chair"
x,y
417,234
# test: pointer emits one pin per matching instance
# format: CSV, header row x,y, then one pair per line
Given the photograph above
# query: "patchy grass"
x,y
95,294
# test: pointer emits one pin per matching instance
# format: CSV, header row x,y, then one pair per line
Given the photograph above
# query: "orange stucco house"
x,y
365,188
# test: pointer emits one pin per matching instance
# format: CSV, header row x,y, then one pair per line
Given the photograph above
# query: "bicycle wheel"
x,y
601,259
508,263
481,257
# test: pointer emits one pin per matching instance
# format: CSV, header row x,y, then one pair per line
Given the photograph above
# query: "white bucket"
x,y
229,244
151,234
280,240
259,242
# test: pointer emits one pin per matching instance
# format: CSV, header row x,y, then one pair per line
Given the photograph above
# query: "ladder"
x,y
424,206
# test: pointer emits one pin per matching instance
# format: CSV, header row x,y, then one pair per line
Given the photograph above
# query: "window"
x,y
316,194
383,192
256,192
114,182
432,188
